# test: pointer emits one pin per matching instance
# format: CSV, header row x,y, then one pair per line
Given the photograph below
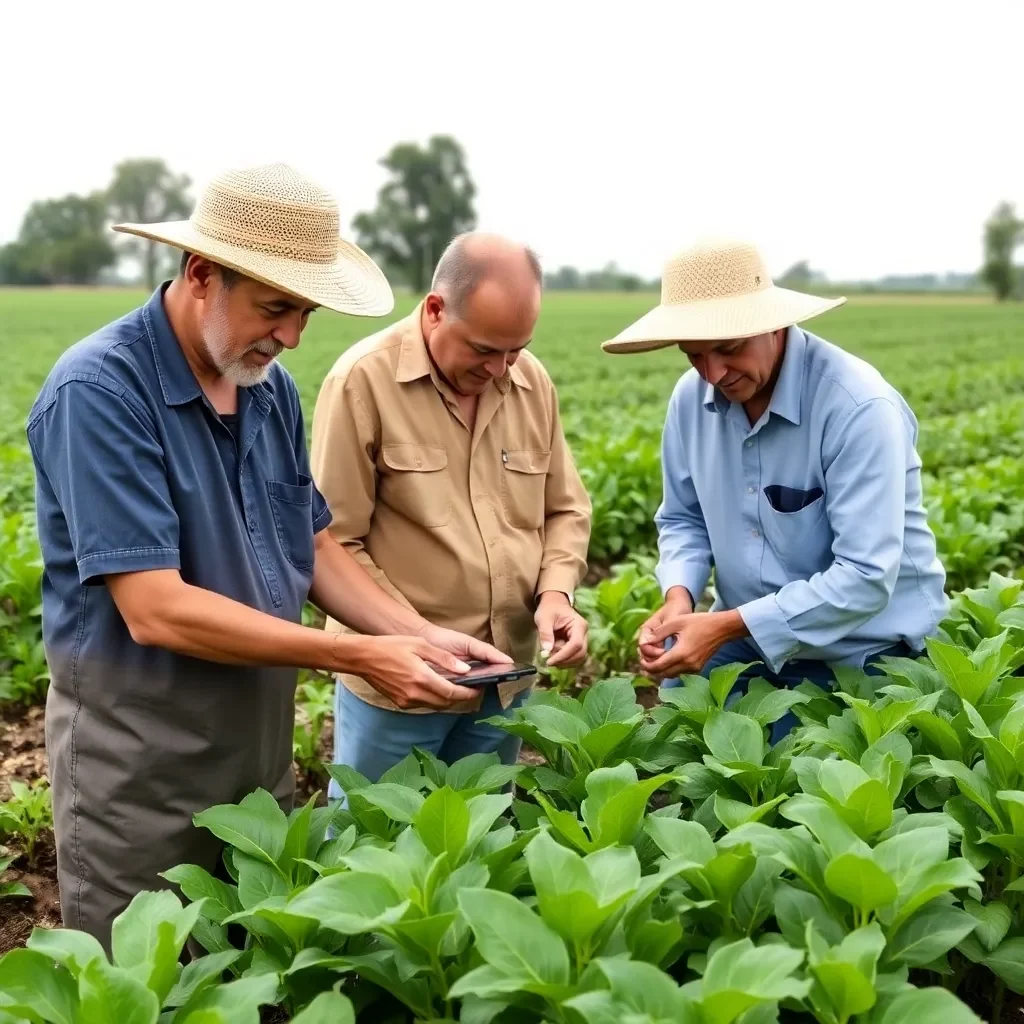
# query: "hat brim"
x,y
734,316
352,284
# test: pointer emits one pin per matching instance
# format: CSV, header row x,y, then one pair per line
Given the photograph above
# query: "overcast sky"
x,y
868,137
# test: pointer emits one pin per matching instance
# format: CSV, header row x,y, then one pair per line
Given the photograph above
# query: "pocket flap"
x,y
413,458
295,494
526,460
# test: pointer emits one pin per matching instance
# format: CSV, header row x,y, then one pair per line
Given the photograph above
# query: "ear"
x,y
199,275
433,304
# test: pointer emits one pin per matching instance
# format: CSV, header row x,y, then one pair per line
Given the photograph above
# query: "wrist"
x,y
730,625
349,653
678,601
554,597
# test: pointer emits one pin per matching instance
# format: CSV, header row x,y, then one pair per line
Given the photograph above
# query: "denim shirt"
x,y
136,471
812,517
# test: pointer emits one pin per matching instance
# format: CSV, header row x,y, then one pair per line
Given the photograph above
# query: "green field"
x,y
657,861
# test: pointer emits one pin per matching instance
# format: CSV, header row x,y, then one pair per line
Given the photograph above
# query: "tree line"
x,y
428,197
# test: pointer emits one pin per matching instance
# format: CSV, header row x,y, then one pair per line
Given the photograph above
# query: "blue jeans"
x,y
372,739
792,674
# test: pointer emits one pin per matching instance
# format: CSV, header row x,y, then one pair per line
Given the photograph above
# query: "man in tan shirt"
x,y
438,446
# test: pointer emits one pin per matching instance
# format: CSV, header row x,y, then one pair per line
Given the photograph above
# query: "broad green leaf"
x,y
239,1001
957,670
615,871
993,921
692,700
727,873
484,811
197,974
734,738
939,733
824,821
932,932
443,823
1013,801
1007,960
107,994
556,725
643,989
723,678
147,937
602,741
198,884
754,901
793,847
795,907
513,939
257,882
766,703
848,990
327,1008
975,787
407,772
610,700
733,813
256,826
860,881
487,981
351,903
754,972
566,824
906,856
67,946
934,881
296,841
425,932
928,1006
399,803
680,839
30,985
388,864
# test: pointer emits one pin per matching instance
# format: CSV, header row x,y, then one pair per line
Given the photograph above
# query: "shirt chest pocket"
x,y
292,506
522,486
414,482
796,527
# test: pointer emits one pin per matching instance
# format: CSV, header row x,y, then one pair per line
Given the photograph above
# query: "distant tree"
x,y
1002,236
427,201
146,191
799,275
563,279
61,241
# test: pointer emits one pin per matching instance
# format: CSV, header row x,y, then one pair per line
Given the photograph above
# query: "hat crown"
x,y
270,209
714,270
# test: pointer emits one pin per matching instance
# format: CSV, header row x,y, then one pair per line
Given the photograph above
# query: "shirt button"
x,y
755,533
750,490
252,525
750,444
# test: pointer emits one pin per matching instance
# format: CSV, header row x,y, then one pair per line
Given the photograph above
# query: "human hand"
x,y
677,603
400,668
698,635
562,631
463,646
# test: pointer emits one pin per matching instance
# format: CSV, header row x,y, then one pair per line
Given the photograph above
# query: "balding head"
x,y
475,257
481,309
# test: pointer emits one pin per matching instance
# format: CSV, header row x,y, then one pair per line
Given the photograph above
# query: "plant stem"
x,y
997,1003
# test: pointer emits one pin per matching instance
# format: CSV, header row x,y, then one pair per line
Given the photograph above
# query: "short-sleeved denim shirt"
x,y
136,470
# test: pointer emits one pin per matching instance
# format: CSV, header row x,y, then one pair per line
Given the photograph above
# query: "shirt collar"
x,y
177,381
414,361
786,396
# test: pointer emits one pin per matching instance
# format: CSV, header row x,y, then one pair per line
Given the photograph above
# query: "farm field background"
x,y
959,363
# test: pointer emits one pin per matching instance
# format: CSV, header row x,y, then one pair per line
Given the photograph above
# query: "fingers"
x,y
574,650
480,651
436,656
436,691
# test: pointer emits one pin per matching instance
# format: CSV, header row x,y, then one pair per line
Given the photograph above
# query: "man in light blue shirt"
x,y
790,467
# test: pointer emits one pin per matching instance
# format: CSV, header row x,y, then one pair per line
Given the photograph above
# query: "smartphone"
x,y
483,673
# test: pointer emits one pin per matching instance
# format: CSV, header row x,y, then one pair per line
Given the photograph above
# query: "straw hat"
x,y
276,226
715,291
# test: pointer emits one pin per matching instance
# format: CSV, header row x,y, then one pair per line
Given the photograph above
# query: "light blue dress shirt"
x,y
812,518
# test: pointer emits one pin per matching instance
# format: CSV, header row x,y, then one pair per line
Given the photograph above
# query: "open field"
x,y
734,842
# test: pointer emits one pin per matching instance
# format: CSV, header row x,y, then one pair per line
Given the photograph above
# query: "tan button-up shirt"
x,y
466,527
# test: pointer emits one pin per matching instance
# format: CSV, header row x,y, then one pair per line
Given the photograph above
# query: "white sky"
x,y
870,137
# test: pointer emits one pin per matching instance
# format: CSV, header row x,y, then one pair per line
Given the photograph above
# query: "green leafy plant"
x,y
27,814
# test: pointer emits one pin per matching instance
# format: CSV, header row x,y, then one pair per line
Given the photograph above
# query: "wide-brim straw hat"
x,y
714,291
276,226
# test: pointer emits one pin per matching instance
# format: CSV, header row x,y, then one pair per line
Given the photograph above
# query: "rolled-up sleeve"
x,y
567,512
865,489
683,544
100,455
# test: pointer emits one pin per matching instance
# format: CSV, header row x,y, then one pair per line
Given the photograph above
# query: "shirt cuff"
x,y
770,630
92,568
562,580
683,574
323,520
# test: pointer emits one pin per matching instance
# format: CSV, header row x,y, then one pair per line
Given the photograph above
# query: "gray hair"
x,y
460,271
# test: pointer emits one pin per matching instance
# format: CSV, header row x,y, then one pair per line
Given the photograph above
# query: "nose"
x,y
714,367
288,332
497,364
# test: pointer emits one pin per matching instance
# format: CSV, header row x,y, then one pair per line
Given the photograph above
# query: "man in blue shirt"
x,y
182,535
790,467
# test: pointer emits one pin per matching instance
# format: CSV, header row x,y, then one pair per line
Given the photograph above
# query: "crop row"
x,y
660,866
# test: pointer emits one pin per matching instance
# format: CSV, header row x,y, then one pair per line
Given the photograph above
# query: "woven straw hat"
x,y
276,226
714,291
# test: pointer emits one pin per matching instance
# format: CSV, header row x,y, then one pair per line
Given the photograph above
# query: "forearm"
x,y
564,561
202,624
684,557
344,590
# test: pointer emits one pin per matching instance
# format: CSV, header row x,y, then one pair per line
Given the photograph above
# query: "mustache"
x,y
267,347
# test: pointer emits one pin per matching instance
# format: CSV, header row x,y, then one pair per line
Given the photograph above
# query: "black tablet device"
x,y
483,673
